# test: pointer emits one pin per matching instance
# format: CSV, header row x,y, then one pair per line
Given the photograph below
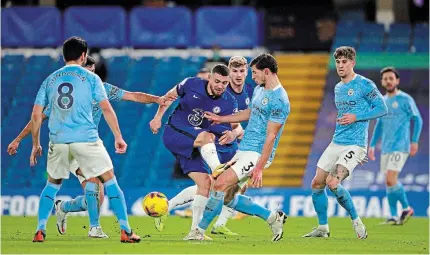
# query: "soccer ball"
x,y
155,204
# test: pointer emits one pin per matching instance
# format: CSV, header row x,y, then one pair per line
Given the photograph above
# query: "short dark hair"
x,y
265,60
390,69
73,48
345,51
90,61
221,69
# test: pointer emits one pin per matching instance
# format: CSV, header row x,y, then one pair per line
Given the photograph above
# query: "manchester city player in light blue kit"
x,y
267,114
70,93
394,129
357,101
78,204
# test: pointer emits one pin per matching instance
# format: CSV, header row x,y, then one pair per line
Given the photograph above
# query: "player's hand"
x,y
155,125
371,153
165,100
36,151
414,149
257,177
120,146
347,119
213,117
227,137
13,147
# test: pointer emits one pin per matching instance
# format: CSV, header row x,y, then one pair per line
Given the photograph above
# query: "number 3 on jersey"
x,y
65,98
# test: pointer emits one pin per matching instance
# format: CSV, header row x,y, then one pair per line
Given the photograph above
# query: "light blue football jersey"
x,y
394,128
70,93
266,105
360,97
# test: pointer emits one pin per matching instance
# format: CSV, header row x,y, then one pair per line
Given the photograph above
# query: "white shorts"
x,y
245,163
92,158
348,156
393,161
74,166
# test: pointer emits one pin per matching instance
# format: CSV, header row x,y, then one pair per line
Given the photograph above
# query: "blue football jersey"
x,y
114,94
394,128
360,97
195,100
243,99
70,92
266,105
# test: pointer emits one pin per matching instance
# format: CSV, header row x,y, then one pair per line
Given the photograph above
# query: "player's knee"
x,y
204,184
332,183
318,183
390,181
204,138
220,185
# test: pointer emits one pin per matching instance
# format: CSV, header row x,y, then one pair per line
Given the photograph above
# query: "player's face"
x,y
204,76
389,81
238,75
91,68
344,66
258,76
218,83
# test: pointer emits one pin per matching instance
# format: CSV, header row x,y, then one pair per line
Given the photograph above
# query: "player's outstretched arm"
x,y
13,146
144,98
229,136
377,133
36,123
112,121
377,103
155,123
273,129
418,125
234,118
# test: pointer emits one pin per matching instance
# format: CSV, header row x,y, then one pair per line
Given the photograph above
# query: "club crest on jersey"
x,y
264,101
395,104
247,101
216,110
350,92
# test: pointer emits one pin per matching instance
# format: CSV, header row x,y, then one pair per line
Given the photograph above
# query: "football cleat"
x,y
278,226
406,215
97,232
360,230
129,237
39,237
222,230
316,232
195,234
61,217
159,222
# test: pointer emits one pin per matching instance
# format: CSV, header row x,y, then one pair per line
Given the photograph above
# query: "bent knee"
x,y
318,183
204,138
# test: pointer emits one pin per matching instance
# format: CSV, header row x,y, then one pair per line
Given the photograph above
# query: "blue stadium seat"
x,y
397,47
343,41
118,68
238,27
400,30
100,26
160,27
349,28
370,47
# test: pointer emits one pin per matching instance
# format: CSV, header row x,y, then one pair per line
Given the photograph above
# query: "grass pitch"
x,y
254,237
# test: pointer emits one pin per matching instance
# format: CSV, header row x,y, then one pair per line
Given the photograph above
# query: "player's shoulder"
x,y
228,96
405,96
281,94
193,80
249,88
361,80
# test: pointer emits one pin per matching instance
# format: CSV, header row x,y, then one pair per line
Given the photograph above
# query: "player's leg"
x,y
205,141
184,197
58,169
391,197
395,190
94,161
226,213
347,161
319,195
239,215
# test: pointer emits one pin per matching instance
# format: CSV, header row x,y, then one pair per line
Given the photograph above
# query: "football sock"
x,y
46,203
213,207
184,197
320,201
77,204
345,200
226,214
117,201
198,208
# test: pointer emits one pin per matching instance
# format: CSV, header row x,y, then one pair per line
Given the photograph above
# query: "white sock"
x,y
324,227
209,154
225,215
271,218
198,207
184,197
358,220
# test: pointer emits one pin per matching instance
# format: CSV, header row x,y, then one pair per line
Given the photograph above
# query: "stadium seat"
x,y
400,30
349,28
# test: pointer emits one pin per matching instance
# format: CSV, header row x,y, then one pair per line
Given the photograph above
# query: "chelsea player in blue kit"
x,y
357,101
394,130
226,146
70,93
190,137
267,114
78,204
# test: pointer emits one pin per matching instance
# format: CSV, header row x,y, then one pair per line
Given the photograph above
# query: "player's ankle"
x,y
357,220
271,218
324,227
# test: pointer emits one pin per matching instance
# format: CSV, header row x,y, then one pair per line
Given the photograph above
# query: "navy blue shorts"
x,y
180,141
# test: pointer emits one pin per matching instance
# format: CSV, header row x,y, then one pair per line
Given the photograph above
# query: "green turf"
x,y
17,233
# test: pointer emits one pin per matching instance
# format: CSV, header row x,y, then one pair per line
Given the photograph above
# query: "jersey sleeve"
x,y
42,96
377,133
374,98
99,92
47,110
183,86
279,111
417,119
114,93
